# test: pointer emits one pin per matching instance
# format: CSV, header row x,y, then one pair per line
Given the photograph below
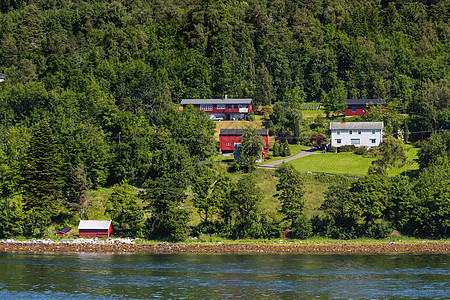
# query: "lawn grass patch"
x,y
411,163
235,125
343,163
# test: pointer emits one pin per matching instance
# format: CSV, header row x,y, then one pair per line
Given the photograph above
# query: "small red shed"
x,y
95,228
64,231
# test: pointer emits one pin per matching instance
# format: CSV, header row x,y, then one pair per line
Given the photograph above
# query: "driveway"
x,y
305,152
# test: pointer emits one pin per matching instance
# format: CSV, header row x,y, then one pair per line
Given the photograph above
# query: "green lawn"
x,y
295,149
336,163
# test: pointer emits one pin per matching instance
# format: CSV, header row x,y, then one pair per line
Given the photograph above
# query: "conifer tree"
x,y
76,188
42,179
276,149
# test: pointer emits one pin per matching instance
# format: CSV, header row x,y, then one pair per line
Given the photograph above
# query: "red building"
x,y
359,107
228,138
95,228
222,109
64,231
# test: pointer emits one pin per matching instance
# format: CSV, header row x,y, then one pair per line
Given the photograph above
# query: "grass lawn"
x,y
308,114
295,149
235,125
336,163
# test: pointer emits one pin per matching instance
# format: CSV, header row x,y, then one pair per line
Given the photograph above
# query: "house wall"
x,y
230,112
359,110
235,139
364,137
95,232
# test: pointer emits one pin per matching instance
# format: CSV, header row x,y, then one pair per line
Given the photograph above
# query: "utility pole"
x,y
313,111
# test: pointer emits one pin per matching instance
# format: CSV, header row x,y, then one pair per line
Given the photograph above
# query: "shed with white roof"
x,y
95,228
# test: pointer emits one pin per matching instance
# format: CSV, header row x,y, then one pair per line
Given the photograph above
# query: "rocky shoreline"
x,y
129,246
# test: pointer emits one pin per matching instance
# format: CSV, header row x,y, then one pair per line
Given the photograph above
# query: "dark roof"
x,y
238,132
65,230
216,101
364,101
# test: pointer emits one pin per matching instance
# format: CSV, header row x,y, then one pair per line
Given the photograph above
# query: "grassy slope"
x,y
235,125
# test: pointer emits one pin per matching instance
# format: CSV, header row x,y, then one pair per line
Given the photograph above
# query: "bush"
x,y
302,227
361,150
376,231
348,148
251,116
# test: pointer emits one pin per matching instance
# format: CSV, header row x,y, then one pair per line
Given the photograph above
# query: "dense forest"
x,y
92,95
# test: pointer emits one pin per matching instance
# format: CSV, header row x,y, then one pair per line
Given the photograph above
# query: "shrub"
x,y
302,227
361,150
348,148
251,116
376,231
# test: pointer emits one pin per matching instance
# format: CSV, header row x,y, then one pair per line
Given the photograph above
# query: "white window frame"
x,y
373,141
206,107
338,132
355,141
228,144
338,141
350,132
220,106
373,131
359,131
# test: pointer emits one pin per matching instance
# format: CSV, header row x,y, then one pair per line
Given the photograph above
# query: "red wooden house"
x,y
222,109
228,138
359,107
95,228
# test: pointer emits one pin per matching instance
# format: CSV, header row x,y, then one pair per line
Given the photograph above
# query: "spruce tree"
x,y
42,179
276,149
76,187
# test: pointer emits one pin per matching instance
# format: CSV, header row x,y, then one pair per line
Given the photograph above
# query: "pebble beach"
x,y
130,246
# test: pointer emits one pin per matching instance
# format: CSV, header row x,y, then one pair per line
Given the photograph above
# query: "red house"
x,y
222,109
228,138
359,107
95,228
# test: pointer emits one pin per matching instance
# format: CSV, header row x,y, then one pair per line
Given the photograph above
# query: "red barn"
x,y
228,138
95,228
222,109
359,107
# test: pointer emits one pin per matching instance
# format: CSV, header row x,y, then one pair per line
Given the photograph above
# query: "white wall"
x,y
365,136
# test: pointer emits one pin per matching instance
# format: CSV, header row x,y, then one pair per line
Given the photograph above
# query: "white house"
x,y
369,134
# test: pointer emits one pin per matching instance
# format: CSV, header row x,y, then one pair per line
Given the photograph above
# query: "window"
x,y
373,141
338,132
353,109
359,131
338,141
350,132
206,107
373,131
355,141
228,144
220,106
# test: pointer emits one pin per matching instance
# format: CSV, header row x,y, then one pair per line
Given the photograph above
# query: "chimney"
x,y
226,96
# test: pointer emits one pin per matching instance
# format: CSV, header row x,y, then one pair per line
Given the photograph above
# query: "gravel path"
x,y
303,153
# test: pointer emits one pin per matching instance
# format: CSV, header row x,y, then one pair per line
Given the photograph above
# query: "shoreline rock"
x,y
129,246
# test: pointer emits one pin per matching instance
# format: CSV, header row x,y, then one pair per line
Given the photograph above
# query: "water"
x,y
214,276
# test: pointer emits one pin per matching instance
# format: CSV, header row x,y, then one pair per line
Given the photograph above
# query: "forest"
x,y
92,98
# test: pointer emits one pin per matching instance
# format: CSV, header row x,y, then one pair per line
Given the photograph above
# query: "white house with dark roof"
x,y
222,109
369,134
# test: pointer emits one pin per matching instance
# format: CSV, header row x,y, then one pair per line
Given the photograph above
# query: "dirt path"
x,y
302,153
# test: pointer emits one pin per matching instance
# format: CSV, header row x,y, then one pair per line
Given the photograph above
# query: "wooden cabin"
x,y
95,228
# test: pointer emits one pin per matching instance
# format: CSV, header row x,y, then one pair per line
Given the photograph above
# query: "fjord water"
x,y
222,276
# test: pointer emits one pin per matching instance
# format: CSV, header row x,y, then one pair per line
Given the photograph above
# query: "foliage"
x,y
42,179
167,220
393,154
125,211
250,149
76,187
318,140
437,146
290,191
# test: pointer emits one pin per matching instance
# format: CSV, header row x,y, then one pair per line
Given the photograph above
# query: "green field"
x,y
336,163
411,165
